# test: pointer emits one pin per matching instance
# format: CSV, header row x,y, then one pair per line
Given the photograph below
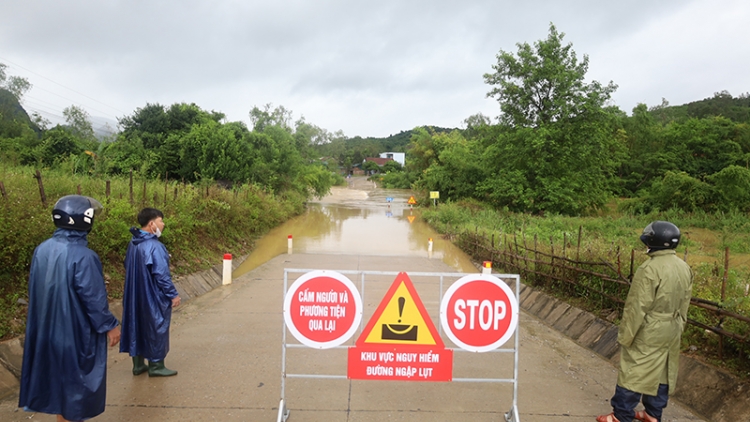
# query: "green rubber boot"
x,y
139,366
157,369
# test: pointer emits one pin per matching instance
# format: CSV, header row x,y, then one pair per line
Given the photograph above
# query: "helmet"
x,y
75,212
661,235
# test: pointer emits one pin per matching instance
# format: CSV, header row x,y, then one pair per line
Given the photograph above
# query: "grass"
x,y
705,240
202,223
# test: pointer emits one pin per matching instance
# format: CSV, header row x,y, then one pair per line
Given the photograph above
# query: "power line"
x,y
73,101
63,86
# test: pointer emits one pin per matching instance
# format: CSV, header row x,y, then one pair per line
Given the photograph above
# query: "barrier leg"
x,y
512,415
283,412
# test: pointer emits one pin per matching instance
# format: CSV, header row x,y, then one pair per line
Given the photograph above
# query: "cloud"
x,y
369,68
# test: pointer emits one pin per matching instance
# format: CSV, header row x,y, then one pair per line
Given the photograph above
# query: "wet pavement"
x,y
227,347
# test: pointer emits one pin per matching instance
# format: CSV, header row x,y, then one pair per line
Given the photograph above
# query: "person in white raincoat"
x,y
651,328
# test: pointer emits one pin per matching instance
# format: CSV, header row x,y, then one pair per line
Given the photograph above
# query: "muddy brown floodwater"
x,y
358,220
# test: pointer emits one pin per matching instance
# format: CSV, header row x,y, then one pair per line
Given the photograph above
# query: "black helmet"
x,y
75,212
661,235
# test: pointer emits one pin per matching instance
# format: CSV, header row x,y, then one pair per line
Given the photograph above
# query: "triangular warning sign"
x,y
401,318
410,218
411,200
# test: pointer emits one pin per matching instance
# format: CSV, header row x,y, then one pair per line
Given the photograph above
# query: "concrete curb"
x,y
189,287
709,392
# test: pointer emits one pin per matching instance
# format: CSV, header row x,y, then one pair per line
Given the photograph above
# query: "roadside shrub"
x,y
202,223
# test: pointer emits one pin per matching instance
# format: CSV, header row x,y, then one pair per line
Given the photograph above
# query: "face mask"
x,y
157,232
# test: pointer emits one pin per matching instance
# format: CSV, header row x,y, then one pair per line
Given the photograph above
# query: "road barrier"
x,y
323,309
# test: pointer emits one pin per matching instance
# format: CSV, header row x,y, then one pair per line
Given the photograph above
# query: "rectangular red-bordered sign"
x,y
400,363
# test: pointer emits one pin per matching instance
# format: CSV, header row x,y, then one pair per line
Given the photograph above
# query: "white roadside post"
x,y
226,276
289,244
487,267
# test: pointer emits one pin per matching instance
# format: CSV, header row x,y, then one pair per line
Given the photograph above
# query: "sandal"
x,y
642,416
607,418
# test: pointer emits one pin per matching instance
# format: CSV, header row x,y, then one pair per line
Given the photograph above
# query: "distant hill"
x,y
722,104
392,143
12,112
103,127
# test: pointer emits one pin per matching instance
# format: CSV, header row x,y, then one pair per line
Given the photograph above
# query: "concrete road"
x,y
227,347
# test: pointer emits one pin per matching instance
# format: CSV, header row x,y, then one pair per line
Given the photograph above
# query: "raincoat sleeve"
x,y
640,298
89,285
161,274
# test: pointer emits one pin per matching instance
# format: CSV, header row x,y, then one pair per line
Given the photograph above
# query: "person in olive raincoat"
x,y
148,297
651,328
69,324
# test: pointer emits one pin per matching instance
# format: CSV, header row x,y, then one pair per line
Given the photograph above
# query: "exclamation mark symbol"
x,y
401,302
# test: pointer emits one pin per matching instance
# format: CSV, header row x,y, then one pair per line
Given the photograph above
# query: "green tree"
x,y
163,133
371,166
58,144
732,186
649,157
269,116
456,171
125,154
422,151
223,156
392,166
544,83
79,123
679,190
558,146
704,146
16,85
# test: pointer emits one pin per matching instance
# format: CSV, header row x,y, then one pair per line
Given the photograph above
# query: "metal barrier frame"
x,y
510,416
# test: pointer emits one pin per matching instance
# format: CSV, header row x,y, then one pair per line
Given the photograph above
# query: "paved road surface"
x,y
226,346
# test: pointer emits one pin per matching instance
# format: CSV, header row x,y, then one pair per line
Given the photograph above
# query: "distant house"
x,y
399,157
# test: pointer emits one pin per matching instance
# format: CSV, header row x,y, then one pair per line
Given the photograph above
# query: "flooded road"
x,y
359,219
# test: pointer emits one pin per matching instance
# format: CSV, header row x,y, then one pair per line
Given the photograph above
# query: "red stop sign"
x,y
479,312
322,309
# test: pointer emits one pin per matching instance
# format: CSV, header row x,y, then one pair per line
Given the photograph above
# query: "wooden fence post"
x,y
578,248
107,190
552,256
166,186
38,177
726,271
525,255
78,189
2,189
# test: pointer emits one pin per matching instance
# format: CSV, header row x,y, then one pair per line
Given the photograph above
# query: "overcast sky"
x,y
369,68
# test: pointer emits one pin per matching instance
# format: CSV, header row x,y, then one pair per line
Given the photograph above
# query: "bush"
x,y
202,223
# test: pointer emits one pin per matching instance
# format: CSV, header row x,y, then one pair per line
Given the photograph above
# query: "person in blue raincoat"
x,y
148,298
69,324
